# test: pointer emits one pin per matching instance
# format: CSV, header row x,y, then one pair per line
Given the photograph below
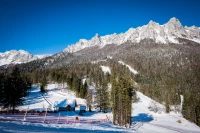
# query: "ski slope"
x,y
143,120
38,101
160,122
106,69
129,67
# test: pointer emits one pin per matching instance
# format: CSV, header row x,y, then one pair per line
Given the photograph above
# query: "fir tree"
x,y
122,92
14,89
89,99
43,83
105,96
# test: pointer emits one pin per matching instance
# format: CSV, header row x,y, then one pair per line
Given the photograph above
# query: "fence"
x,y
35,117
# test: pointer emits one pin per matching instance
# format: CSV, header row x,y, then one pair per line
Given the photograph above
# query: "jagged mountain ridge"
x,y
119,45
167,33
18,57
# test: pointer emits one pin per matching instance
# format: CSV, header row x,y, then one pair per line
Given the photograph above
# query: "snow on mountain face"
x,y
17,57
167,33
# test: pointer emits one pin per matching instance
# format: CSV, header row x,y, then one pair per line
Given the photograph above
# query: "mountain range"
x,y
18,57
171,32
167,33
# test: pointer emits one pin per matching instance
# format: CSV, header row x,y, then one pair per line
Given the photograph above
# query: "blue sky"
x,y
49,26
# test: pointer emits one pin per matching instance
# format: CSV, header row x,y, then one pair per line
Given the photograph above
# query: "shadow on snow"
x,y
33,97
142,117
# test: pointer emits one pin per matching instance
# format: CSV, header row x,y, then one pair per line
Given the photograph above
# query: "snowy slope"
x,y
129,67
165,33
144,121
54,97
151,122
106,69
17,57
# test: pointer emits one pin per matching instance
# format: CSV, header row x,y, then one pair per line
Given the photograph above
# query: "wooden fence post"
x,y
25,113
45,115
58,118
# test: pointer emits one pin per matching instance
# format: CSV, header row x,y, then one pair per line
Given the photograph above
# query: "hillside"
x,y
143,119
160,61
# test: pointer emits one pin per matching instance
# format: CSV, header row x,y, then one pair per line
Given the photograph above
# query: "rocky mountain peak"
x,y
17,57
174,23
166,33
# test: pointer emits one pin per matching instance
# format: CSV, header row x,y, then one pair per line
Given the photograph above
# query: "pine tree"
x,y
42,89
89,99
14,89
2,82
105,97
82,93
85,86
35,77
43,83
83,89
98,97
167,108
122,92
197,112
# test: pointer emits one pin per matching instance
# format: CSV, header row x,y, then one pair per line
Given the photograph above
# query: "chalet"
x,y
82,108
66,105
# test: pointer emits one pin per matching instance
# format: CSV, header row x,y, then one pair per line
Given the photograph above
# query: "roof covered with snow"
x,y
66,102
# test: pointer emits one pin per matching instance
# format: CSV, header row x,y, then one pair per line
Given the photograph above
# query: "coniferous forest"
x,y
165,72
14,88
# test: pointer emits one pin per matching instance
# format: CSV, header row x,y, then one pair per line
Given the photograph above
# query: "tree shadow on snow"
x,y
142,117
89,114
34,96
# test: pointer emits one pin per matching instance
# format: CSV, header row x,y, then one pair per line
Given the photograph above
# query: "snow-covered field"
x,y
159,122
55,95
144,121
